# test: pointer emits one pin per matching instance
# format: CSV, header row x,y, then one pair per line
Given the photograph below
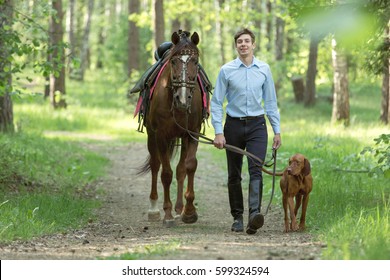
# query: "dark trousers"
x,y
250,135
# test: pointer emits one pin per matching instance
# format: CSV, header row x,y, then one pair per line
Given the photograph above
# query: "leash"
x,y
235,149
274,152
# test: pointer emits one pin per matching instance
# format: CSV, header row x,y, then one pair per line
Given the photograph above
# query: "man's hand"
x,y
277,141
219,141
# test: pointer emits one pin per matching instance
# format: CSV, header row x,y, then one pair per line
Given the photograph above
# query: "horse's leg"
x,y
154,162
166,179
189,214
180,177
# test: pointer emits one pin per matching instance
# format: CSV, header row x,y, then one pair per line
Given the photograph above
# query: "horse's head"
x,y
184,68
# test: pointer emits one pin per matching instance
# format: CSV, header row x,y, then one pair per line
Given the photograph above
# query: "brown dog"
x,y
296,182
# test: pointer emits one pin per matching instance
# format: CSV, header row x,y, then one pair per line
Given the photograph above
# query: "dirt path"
x,y
122,227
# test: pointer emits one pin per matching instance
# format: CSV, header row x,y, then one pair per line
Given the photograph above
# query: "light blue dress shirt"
x,y
249,90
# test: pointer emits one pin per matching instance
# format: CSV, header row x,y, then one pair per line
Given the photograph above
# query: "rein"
x,y
257,161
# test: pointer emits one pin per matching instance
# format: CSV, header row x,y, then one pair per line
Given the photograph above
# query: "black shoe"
x,y
256,221
238,225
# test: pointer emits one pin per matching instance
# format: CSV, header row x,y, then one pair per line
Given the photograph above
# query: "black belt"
x,y
247,118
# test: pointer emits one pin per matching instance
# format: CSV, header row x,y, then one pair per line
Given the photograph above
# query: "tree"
x,y
311,73
84,61
218,28
385,108
72,36
133,39
57,78
158,22
269,25
279,46
101,34
340,111
6,109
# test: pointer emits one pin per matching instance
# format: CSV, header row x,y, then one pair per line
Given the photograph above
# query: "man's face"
x,y
245,46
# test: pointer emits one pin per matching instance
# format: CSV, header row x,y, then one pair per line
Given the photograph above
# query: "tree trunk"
x,y
219,29
385,104
158,22
310,93
257,6
298,88
57,79
340,92
101,34
6,110
85,44
133,39
72,39
269,25
279,46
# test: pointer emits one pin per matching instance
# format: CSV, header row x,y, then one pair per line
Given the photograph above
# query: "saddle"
x,y
145,84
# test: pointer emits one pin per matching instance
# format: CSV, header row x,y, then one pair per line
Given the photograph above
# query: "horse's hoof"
x,y
189,219
169,223
154,216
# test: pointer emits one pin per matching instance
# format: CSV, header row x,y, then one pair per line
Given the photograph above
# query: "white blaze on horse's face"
x,y
183,81
183,92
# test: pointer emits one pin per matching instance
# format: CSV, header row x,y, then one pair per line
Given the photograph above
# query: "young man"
x,y
248,86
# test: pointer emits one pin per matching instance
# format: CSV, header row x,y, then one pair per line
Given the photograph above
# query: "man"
x,y
248,86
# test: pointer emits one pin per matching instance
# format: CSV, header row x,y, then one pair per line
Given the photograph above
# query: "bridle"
x,y
182,80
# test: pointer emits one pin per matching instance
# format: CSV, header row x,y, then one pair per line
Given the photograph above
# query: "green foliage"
x,y
25,44
381,153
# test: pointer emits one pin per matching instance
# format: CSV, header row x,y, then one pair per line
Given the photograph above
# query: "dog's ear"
x,y
307,168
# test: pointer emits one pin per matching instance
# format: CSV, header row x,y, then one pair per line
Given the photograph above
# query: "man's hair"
x,y
244,31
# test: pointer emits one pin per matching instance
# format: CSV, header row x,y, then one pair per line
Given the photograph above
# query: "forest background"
x,y
54,54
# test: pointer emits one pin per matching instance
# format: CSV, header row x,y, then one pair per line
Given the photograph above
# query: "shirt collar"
x,y
255,62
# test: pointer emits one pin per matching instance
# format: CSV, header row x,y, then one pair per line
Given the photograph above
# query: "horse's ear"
x,y
175,38
195,38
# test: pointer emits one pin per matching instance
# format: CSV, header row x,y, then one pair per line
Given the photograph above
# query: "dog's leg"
x,y
293,219
303,214
286,223
298,200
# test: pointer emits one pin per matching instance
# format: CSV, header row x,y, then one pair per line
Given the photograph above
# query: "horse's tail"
x,y
145,167
172,149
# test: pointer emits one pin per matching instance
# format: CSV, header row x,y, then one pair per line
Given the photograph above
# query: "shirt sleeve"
x,y
270,101
217,102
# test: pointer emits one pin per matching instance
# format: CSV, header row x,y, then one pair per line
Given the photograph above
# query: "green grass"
x,y
46,185
27,215
96,106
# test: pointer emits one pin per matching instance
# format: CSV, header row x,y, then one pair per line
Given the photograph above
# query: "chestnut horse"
x,y
176,103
